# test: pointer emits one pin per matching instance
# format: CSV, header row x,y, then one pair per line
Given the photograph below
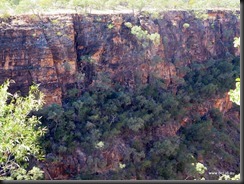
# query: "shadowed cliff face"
x,y
55,50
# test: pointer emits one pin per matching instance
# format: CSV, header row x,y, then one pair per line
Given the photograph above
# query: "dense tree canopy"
x,y
101,115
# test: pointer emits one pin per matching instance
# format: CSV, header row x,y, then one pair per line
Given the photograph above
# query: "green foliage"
x,y
111,4
143,35
128,24
228,177
5,16
21,174
200,168
96,118
85,6
27,6
135,124
236,42
87,58
110,26
235,94
100,113
55,21
206,136
167,4
59,33
155,38
19,133
201,14
122,166
102,117
139,33
166,148
137,4
207,80
186,25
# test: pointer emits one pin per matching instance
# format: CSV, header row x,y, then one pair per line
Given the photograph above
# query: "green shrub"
x,y
186,25
110,26
19,133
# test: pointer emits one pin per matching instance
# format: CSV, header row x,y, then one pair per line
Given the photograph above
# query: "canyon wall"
x,y
55,51
63,51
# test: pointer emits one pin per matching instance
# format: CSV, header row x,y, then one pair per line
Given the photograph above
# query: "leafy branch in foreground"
x,y
235,95
19,133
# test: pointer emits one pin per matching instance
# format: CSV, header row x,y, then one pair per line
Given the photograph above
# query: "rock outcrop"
x,y
34,49
54,50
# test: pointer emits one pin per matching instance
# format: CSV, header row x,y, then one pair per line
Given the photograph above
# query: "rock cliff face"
x,y
60,52
56,50
33,50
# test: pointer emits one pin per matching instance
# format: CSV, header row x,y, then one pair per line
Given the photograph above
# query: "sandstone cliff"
x,y
52,50
60,52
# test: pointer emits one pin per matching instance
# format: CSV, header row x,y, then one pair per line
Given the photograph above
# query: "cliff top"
x,y
22,20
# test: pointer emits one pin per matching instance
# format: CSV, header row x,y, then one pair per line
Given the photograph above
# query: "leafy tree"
x,y
19,133
45,4
235,94
137,5
166,148
26,6
162,3
143,36
236,42
111,4
84,4
147,41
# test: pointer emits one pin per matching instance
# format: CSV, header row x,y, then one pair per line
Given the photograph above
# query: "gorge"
x,y
195,57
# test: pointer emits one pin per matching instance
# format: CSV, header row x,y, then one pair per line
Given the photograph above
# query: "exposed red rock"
x,y
48,50
45,49
223,104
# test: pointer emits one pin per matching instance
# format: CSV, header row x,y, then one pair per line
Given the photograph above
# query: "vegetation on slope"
x,y
102,115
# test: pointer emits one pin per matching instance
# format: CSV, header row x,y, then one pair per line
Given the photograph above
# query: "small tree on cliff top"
x,y
19,133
